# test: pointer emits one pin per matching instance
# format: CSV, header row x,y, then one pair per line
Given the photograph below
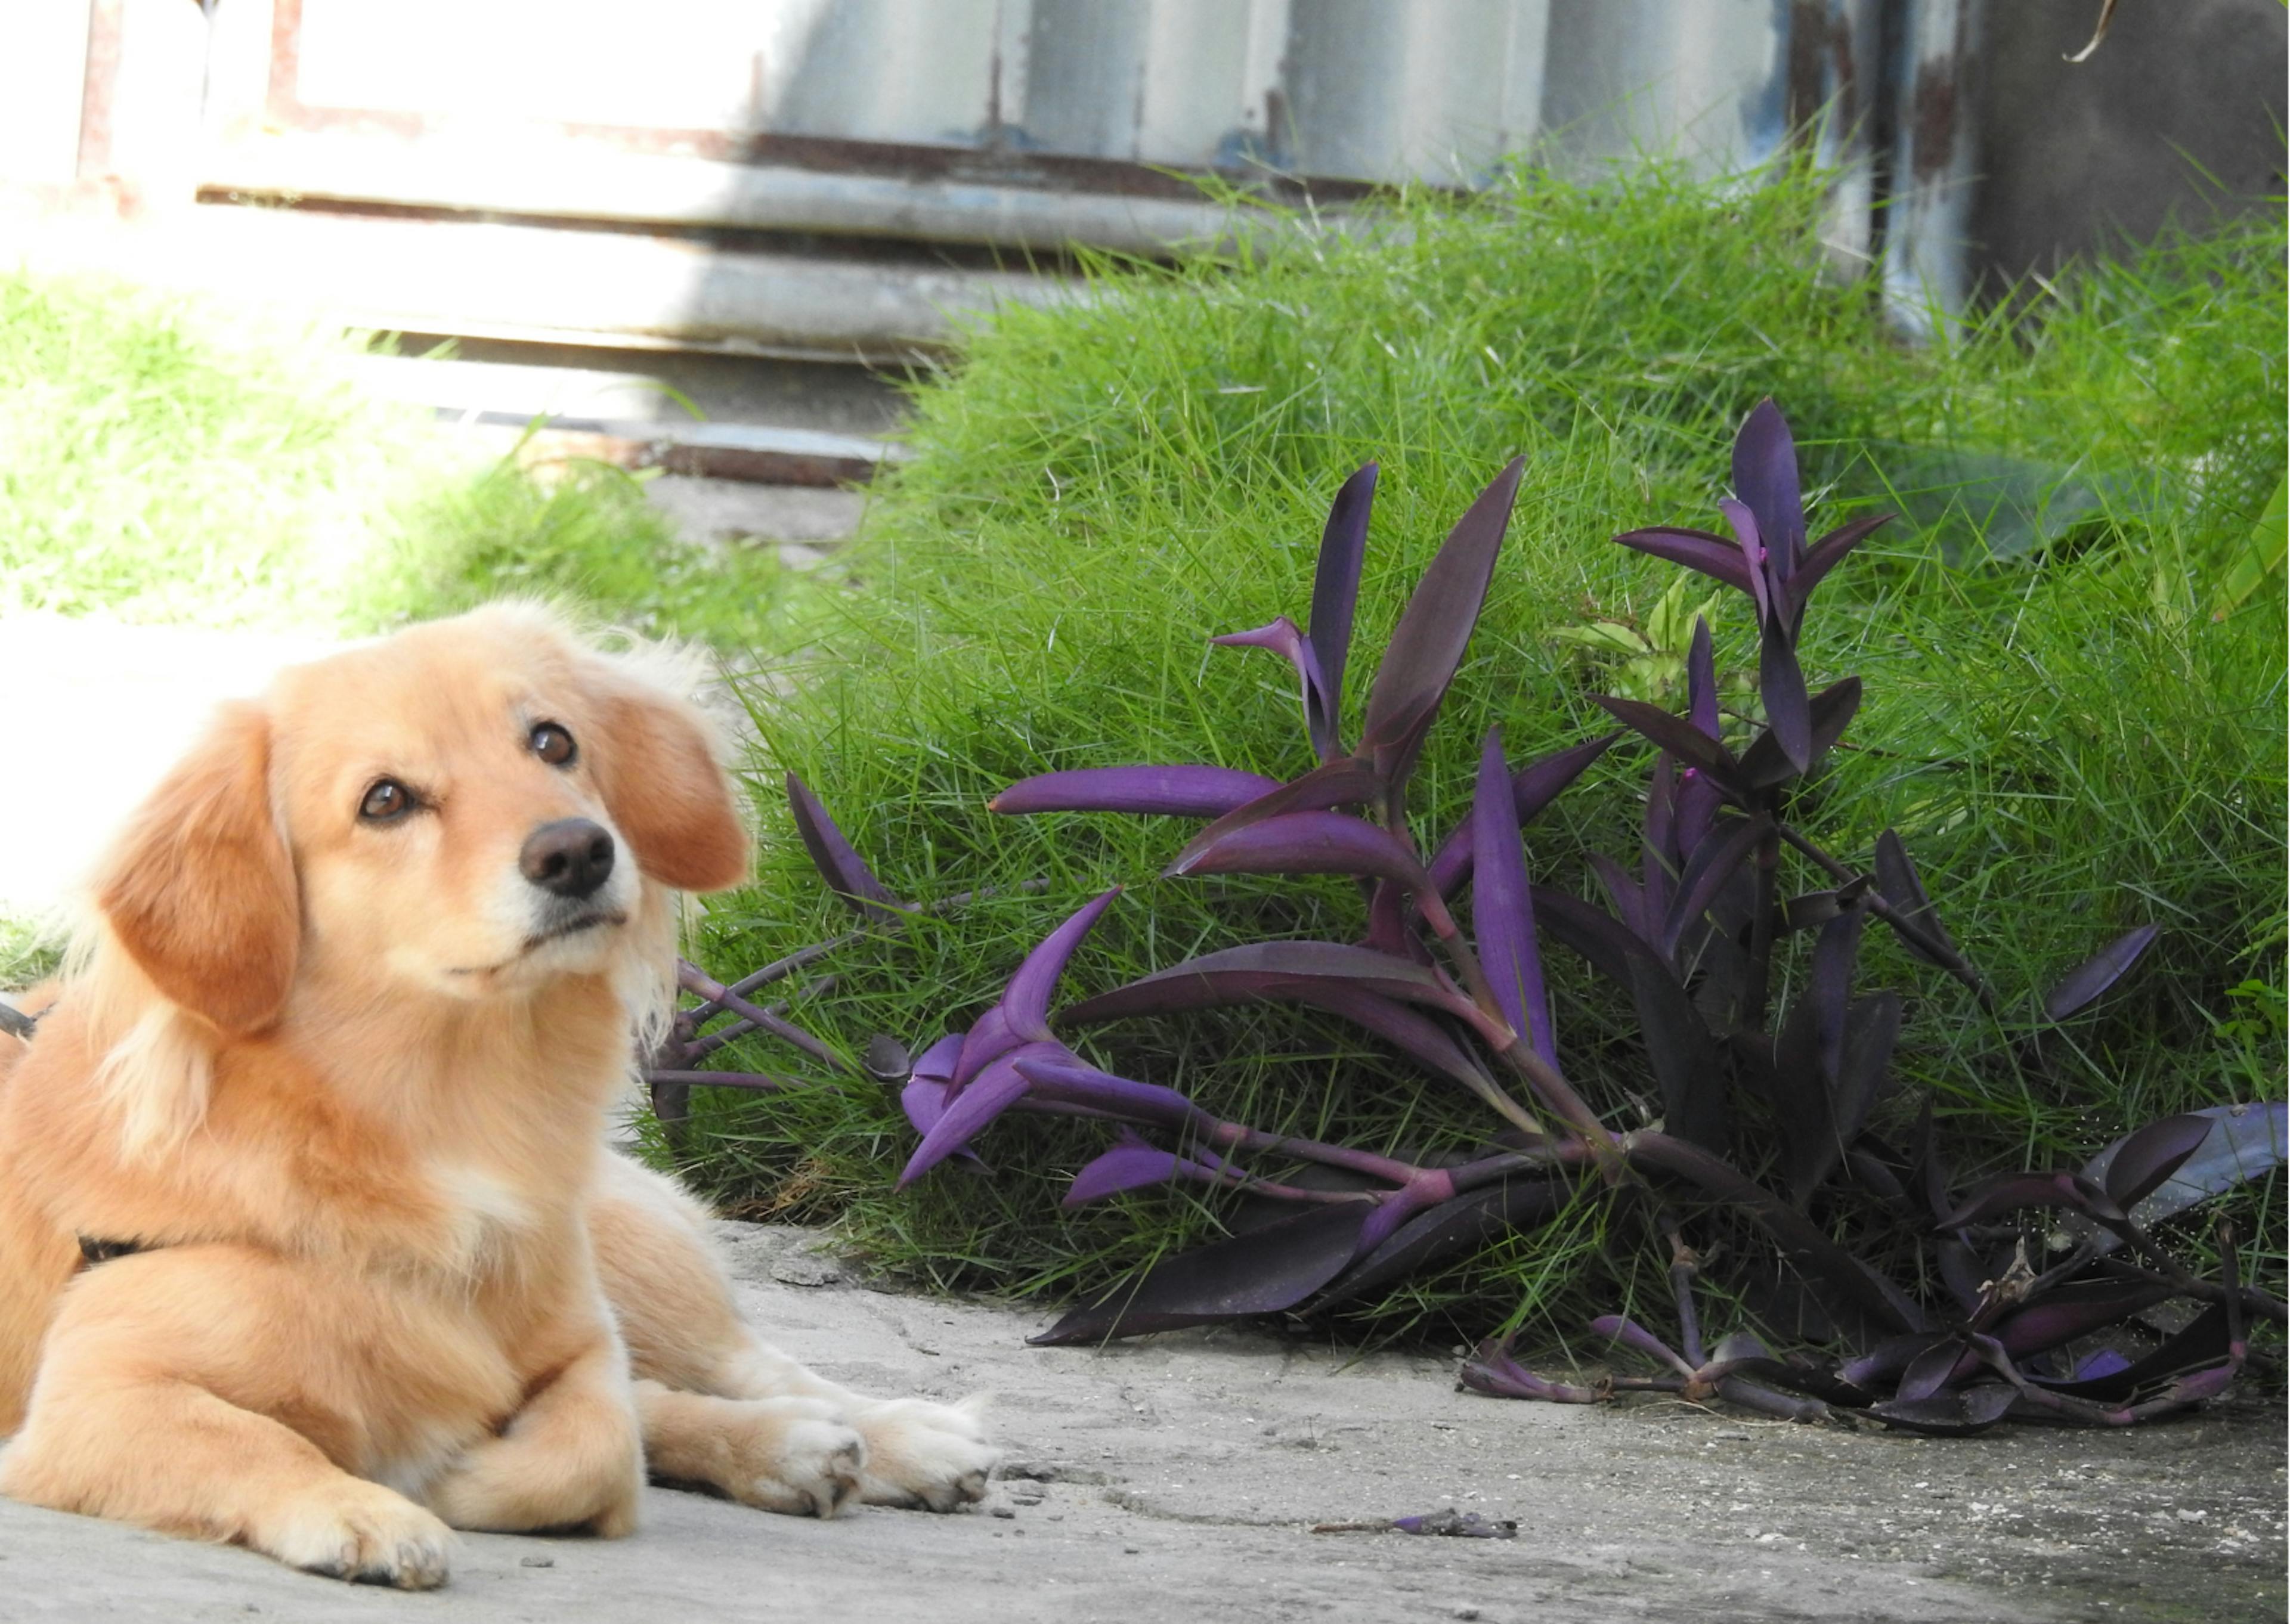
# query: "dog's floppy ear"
x,y
200,889
665,789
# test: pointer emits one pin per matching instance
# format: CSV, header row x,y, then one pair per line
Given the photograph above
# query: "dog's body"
x,y
332,1071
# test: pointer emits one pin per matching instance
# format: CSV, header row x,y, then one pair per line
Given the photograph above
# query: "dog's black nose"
x,y
571,856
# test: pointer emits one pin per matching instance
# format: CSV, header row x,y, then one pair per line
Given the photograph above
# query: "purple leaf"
x,y
2106,1362
1677,735
993,1091
1434,630
1872,1027
1346,781
1461,1225
1455,1525
1335,589
1174,791
1600,937
1398,1024
1502,907
1658,857
1744,525
1309,843
2203,1341
1261,1272
1631,1334
988,1039
1282,637
1133,1164
1706,872
937,1061
1696,550
1026,1001
1825,555
1697,799
2145,1159
1271,970
1828,987
1766,478
1958,1413
2074,1310
923,1100
1831,711
1808,1249
1064,1079
2098,972
1896,879
1494,1371
2245,1142
1780,684
837,864
1629,897
2014,1191
1935,1368
1682,1055
1532,788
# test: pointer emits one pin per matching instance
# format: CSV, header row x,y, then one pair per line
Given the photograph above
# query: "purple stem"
x,y
1875,901
692,978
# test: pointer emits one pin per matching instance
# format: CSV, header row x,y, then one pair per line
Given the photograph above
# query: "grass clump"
x,y
167,460
2069,741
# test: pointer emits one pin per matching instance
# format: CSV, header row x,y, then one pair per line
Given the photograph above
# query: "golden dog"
x,y
308,1236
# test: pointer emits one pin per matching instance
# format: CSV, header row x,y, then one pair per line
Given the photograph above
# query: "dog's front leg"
x,y
571,1459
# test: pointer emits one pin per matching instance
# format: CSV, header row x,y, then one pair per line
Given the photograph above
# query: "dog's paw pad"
x,y
926,1454
363,1532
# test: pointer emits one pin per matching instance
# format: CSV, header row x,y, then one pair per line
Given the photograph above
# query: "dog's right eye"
x,y
386,800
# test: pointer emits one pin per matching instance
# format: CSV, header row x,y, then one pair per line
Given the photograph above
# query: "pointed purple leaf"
x,y
1131,1165
2074,1310
2098,972
1675,734
1660,857
1282,637
1343,782
1697,799
1600,937
1724,851
1682,1055
1697,549
836,862
1766,477
1434,630
1532,788
2244,1142
1958,1413
937,1062
1755,563
1335,589
1309,843
1502,907
2014,1191
1780,685
1830,713
1182,791
1629,897
1449,1230
1026,1002
993,1091
1630,1334
1872,1029
1261,1272
923,1100
1825,555
1271,970
1897,880
987,1041
1828,987
1413,1035
2146,1159
1067,1081
1934,1369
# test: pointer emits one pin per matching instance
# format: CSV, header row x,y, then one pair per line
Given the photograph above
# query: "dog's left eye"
x,y
552,744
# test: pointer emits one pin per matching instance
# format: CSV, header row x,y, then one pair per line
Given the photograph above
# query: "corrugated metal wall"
x,y
844,177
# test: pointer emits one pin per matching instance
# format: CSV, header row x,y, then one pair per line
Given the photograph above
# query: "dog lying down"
x,y
309,1238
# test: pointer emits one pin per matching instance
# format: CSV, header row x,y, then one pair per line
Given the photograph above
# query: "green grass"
x,y
163,459
2066,738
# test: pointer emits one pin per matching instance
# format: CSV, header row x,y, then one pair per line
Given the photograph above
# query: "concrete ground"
x,y
1180,1478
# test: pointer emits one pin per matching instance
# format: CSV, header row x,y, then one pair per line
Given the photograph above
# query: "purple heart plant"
x,y
1973,1331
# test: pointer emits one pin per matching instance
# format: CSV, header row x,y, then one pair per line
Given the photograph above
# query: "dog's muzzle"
x,y
570,858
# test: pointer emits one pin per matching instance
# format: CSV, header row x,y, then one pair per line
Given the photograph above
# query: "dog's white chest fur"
x,y
487,1215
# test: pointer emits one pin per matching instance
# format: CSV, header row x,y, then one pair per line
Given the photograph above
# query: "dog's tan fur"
x,y
324,1068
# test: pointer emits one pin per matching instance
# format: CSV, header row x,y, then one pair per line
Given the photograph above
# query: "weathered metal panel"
x,y
41,71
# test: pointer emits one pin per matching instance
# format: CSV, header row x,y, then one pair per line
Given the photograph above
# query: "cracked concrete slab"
x,y
1179,1478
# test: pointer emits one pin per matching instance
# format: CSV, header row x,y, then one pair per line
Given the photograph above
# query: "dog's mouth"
x,y
538,939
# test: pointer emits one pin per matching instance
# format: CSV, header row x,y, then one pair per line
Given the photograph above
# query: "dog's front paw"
x,y
359,1531
793,1455
920,1454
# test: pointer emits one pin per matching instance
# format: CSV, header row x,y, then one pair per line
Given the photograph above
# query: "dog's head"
x,y
471,808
